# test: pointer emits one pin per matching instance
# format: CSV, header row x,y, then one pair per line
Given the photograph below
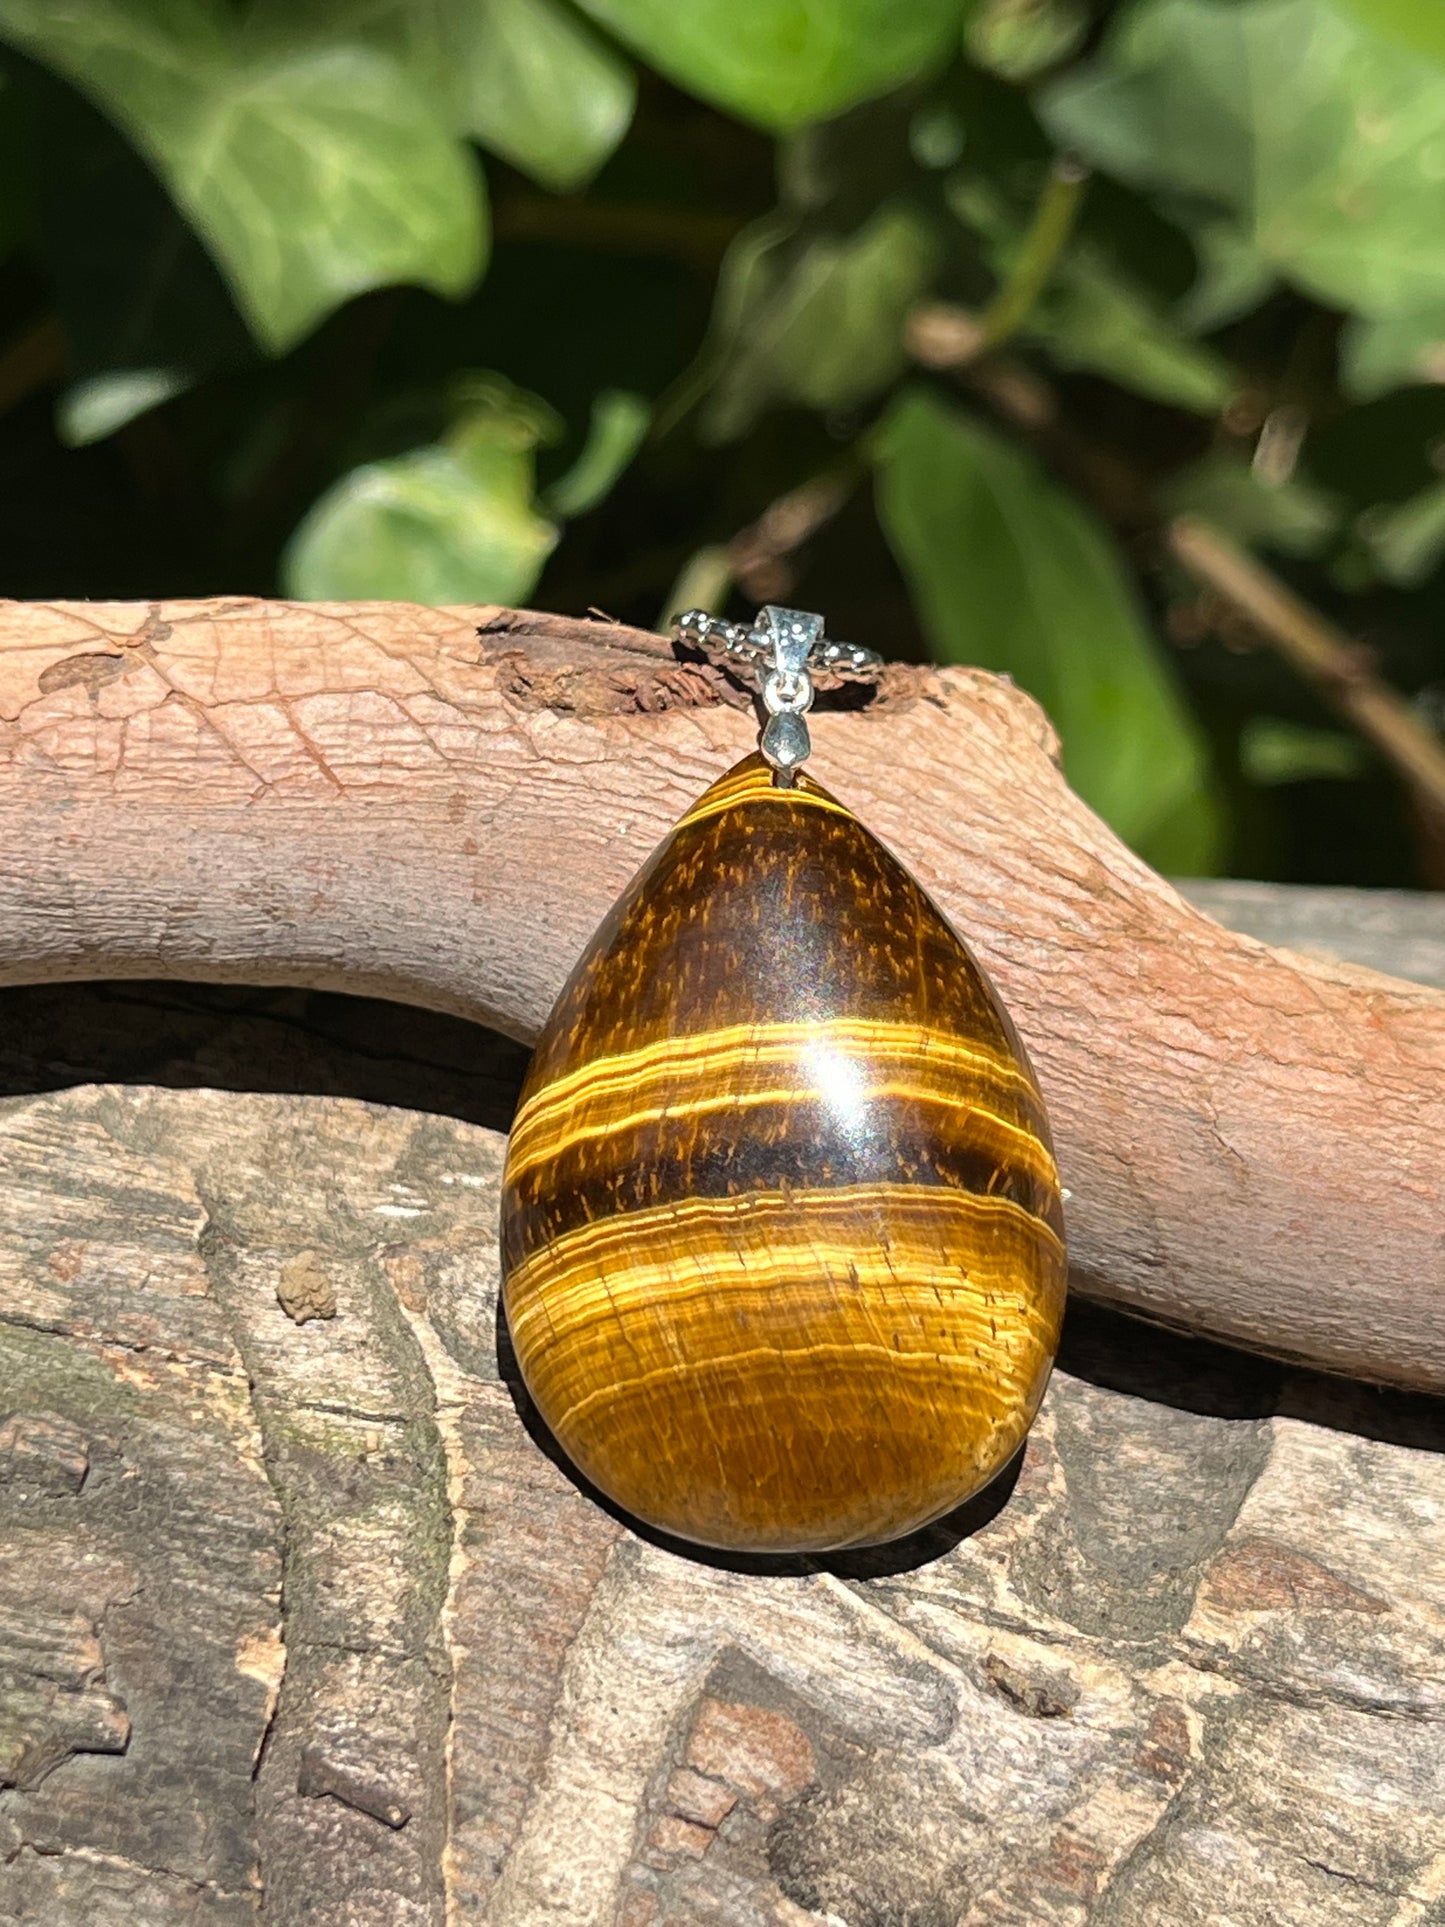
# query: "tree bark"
x,y
438,806
299,1626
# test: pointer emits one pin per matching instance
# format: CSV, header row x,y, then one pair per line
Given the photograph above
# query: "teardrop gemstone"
x,y
781,1228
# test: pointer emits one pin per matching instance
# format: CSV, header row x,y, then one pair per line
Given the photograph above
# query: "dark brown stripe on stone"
x,y
768,1147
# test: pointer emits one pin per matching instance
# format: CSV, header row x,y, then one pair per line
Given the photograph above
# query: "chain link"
x,y
782,652
734,645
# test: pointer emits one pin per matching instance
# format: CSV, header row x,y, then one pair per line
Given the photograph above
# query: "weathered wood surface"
x,y
382,799
273,1580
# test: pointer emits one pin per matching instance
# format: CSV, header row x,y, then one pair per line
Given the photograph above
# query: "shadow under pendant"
x,y
782,1236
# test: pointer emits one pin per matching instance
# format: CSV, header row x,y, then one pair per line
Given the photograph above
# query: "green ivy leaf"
x,y
534,84
527,78
1011,574
1390,351
614,435
454,522
1324,141
1233,277
782,63
99,405
1294,517
1094,317
1419,24
812,317
312,170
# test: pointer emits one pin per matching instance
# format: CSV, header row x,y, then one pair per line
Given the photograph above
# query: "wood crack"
x,y
107,1341
1312,1698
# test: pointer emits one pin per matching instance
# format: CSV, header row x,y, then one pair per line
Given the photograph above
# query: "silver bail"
x,y
789,636
786,743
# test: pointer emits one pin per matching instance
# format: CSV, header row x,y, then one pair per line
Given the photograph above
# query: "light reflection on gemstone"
x,y
843,1085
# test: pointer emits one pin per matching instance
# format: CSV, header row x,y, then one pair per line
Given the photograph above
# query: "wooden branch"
x,y
383,799
1324,655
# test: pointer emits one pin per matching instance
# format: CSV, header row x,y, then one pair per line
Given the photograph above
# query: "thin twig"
x,y
1038,254
942,336
1314,647
1339,668
760,554
758,559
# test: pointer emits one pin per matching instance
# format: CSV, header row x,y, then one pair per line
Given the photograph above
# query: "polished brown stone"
x,y
782,1237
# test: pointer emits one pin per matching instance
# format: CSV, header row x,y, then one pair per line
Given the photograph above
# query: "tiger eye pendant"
x,y
782,1237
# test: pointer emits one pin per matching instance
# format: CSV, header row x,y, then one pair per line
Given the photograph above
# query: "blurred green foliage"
x,y
472,300
1052,609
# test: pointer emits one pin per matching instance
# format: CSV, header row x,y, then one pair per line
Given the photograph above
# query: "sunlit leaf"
x,y
532,82
1323,140
1419,24
90,410
813,317
312,170
454,522
1010,573
782,63
527,78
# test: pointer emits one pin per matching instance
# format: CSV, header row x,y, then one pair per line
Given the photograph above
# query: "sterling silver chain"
x,y
782,651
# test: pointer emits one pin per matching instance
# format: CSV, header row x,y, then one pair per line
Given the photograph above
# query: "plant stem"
x,y
1339,668
1038,254
1314,647
757,558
